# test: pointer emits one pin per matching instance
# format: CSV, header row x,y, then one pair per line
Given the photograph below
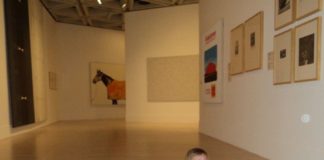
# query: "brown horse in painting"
x,y
115,89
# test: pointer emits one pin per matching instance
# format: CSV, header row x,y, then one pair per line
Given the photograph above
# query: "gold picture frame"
x,y
284,13
307,50
237,50
283,55
305,8
253,42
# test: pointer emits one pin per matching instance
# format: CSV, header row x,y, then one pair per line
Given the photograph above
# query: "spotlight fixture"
x,y
124,6
99,2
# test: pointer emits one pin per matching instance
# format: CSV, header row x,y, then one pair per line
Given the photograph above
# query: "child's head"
x,y
196,154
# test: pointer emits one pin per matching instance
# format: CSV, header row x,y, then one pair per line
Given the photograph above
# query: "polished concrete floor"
x,y
115,140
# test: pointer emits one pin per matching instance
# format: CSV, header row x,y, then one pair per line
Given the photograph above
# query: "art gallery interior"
x,y
256,119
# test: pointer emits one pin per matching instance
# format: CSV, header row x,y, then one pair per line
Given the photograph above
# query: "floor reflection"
x,y
114,139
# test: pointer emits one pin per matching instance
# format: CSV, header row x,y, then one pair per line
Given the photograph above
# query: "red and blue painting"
x,y
212,64
210,60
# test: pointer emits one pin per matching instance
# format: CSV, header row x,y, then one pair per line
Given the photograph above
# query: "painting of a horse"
x,y
115,89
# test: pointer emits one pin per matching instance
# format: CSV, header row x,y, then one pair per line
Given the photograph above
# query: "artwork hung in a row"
x,y
287,11
237,41
247,45
283,57
297,53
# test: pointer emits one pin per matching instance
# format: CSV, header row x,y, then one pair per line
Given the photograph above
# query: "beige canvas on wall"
x,y
173,79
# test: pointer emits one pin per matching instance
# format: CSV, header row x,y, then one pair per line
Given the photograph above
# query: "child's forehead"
x,y
199,157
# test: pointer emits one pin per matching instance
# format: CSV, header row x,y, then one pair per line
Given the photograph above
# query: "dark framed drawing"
x,y
307,51
284,13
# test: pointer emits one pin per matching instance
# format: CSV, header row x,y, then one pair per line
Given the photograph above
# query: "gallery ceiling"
x,y
108,14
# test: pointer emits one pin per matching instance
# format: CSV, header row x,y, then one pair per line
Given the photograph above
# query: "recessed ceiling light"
x,y
99,1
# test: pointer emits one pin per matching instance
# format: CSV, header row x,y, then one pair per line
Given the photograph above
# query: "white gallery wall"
x,y
163,32
77,46
256,115
42,37
51,61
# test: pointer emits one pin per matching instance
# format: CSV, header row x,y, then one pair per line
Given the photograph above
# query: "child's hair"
x,y
194,152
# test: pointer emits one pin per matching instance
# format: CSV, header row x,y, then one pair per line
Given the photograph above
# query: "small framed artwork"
x,y
283,57
253,42
307,51
284,13
237,41
307,7
270,61
52,80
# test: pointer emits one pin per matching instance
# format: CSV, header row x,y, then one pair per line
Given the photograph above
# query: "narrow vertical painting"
x,y
52,81
236,49
211,69
211,64
107,84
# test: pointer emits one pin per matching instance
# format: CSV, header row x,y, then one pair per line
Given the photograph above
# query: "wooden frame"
x,y
307,51
283,56
284,13
253,42
305,8
237,50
